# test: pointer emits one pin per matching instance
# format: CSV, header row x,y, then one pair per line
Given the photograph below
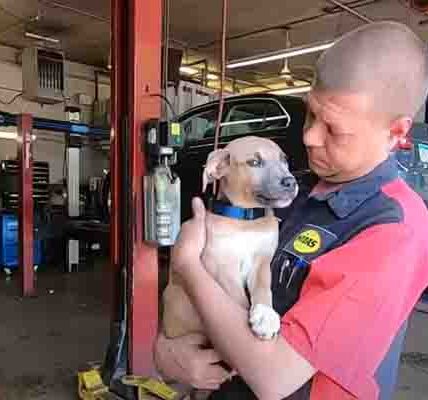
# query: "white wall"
x,y
81,80
49,146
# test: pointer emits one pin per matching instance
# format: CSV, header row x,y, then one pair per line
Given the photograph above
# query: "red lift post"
x,y
26,227
136,56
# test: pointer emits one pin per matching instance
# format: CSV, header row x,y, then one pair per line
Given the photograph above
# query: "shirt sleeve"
x,y
353,303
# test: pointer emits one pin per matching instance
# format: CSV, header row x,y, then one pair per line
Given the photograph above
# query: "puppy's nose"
x,y
288,183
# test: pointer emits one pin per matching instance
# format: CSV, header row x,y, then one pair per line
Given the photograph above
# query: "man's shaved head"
x,y
384,60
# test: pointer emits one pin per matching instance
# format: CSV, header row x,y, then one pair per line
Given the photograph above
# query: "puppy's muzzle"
x,y
289,184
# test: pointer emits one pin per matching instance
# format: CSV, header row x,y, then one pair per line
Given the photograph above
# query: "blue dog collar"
x,y
230,211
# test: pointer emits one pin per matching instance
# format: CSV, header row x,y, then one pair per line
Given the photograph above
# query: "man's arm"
x,y
272,368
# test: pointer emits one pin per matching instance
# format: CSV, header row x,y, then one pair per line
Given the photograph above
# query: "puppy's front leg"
x,y
264,320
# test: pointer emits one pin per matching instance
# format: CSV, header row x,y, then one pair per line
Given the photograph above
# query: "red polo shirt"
x,y
357,297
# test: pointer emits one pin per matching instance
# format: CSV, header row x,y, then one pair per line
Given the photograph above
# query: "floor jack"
x,y
162,224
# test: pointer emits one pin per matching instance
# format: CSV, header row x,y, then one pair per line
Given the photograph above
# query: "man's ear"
x,y
399,129
217,166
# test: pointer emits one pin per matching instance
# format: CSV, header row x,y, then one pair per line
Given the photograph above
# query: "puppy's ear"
x,y
217,166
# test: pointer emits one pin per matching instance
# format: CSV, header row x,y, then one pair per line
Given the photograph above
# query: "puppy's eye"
x,y
255,163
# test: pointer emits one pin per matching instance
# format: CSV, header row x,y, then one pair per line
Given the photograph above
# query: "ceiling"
x,y
83,28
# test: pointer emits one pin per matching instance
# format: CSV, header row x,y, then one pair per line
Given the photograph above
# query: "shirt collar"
x,y
353,194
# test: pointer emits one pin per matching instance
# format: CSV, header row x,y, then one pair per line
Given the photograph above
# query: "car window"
x,y
412,158
200,126
254,116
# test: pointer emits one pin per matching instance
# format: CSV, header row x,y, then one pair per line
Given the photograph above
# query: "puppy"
x,y
252,173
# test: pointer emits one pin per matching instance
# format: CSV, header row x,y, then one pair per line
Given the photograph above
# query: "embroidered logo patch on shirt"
x,y
309,242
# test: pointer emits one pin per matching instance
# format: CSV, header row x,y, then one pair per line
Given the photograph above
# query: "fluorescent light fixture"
x,y
8,135
292,90
280,55
49,39
193,71
188,70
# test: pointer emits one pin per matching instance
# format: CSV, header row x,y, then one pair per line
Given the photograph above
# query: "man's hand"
x,y
190,244
183,360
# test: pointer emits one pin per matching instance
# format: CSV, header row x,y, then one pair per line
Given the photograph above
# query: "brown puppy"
x,y
252,173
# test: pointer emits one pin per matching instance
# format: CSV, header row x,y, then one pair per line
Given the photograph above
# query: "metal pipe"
x,y
222,74
352,4
351,11
166,21
74,10
286,25
26,205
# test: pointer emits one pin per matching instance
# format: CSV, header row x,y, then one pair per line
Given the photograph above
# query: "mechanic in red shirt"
x,y
361,235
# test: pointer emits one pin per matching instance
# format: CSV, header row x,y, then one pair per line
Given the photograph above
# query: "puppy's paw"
x,y
264,321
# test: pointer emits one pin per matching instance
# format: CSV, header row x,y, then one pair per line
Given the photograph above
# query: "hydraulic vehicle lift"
x,y
136,85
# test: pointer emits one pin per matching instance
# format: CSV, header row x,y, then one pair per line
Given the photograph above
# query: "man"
x,y
369,264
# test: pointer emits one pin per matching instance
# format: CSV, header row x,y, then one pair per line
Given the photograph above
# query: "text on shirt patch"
x,y
307,242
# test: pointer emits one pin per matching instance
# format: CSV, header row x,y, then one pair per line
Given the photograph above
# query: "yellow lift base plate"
x,y
91,387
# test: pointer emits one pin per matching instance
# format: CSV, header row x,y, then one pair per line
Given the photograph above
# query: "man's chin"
x,y
321,170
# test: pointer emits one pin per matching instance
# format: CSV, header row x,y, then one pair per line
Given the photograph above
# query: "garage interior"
x,y
63,91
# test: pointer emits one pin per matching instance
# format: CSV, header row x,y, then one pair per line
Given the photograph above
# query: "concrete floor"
x,y
45,340
413,382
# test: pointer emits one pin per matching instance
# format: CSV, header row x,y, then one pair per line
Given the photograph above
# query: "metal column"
x,y
136,54
26,227
73,203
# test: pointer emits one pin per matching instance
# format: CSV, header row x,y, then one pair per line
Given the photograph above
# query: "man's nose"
x,y
288,183
314,135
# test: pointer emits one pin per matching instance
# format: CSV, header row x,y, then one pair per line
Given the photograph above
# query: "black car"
x,y
279,118
412,156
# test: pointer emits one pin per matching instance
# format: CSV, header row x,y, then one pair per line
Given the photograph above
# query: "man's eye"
x,y
338,137
329,130
255,163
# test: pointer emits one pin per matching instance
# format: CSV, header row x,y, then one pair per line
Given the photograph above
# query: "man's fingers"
x,y
196,338
217,374
198,208
208,386
212,381
211,356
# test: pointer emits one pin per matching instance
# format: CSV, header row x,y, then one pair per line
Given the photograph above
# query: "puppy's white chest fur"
x,y
236,248
238,255
244,248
